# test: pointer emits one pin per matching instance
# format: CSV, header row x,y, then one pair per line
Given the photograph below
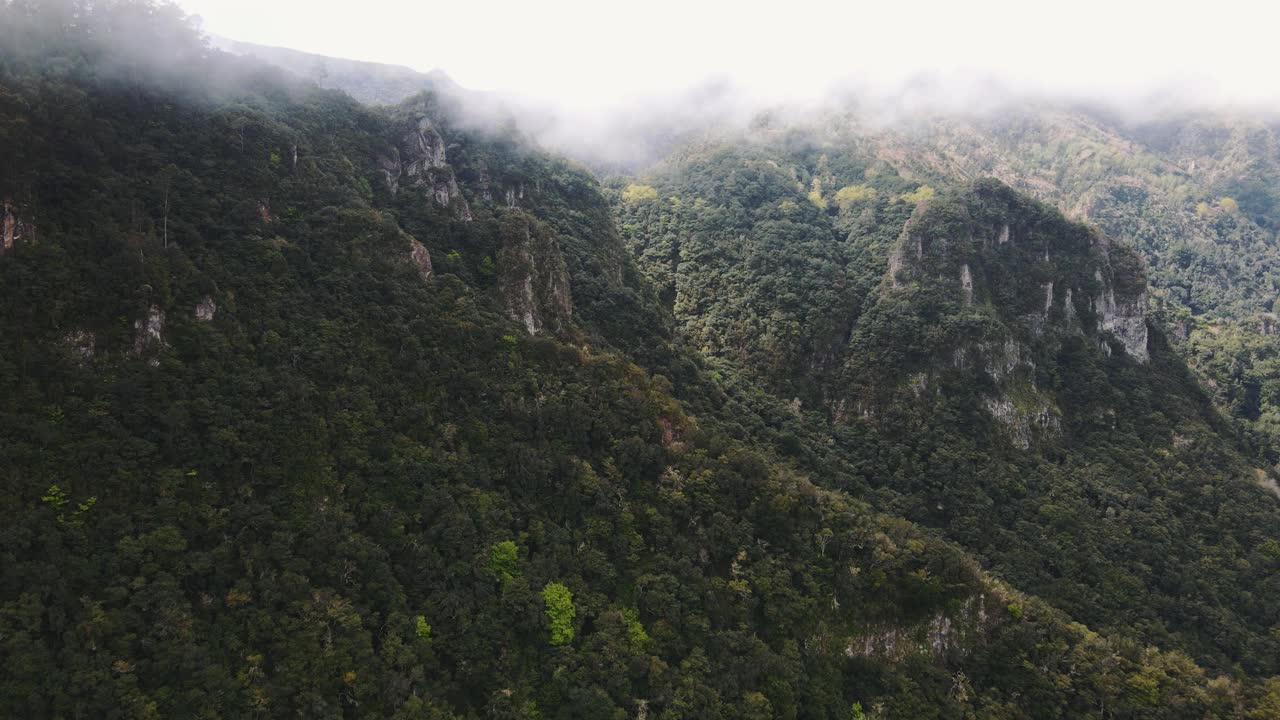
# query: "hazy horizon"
x,y
582,56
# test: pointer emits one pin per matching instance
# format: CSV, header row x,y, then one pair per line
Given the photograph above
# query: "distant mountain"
x,y
370,83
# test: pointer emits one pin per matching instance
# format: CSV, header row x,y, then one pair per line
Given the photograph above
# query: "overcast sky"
x,y
589,53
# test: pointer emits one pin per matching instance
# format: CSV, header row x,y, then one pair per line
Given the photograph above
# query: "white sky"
x,y
594,53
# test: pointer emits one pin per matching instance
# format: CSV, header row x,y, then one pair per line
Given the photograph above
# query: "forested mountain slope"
x,y
982,366
1195,193
308,409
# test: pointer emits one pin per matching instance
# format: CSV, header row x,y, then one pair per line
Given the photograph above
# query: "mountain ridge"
x,y
281,439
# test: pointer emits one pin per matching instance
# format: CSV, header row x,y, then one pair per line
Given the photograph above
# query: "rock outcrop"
x,y
12,228
82,343
1125,319
206,309
148,332
998,278
420,258
941,636
419,160
532,277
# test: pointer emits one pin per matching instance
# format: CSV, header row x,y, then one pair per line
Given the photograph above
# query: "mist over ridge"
x,y
675,361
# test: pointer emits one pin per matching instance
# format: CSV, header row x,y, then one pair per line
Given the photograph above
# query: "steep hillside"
x,y
1194,194
315,410
981,365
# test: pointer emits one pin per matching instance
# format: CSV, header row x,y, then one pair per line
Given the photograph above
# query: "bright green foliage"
x,y
635,630
421,628
560,612
853,194
855,712
1228,205
815,194
1268,707
639,193
924,192
54,497
504,560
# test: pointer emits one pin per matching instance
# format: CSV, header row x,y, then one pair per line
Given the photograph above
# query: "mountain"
x,y
311,408
368,82
979,364
1194,193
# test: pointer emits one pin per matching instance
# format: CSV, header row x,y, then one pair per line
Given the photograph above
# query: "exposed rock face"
x,y
1024,411
420,160
940,636
389,163
148,332
533,278
514,195
1069,308
82,343
1125,319
421,259
206,309
895,267
1017,303
1025,420
423,149
12,229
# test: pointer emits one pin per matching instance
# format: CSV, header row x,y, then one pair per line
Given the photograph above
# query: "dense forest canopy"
x,y
314,409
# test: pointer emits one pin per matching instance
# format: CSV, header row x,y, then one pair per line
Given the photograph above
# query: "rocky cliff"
x,y
419,160
532,277
996,282
13,228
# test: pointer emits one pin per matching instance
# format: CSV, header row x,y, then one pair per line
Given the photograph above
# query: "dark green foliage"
x,y
254,464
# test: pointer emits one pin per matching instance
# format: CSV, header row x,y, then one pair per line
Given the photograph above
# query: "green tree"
x,y
560,612
639,193
504,560
850,194
924,192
